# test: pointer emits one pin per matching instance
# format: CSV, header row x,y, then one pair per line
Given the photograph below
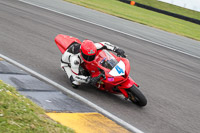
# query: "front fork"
x,y
126,85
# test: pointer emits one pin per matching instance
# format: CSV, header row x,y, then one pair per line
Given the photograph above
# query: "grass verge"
x,y
19,115
170,8
143,16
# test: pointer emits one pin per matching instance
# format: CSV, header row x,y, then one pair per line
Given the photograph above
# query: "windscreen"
x,y
107,60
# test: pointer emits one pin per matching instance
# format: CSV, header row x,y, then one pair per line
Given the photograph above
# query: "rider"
x,y
77,53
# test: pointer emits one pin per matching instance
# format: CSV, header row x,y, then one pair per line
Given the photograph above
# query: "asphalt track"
x,y
170,80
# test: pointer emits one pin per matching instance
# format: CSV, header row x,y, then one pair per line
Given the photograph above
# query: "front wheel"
x,y
136,96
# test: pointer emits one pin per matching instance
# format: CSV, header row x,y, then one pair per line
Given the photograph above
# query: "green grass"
x,y
19,115
170,8
143,16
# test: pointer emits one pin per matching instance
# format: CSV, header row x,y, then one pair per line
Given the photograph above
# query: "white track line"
x,y
101,110
110,29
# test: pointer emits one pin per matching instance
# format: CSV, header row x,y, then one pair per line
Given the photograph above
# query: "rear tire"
x,y
136,96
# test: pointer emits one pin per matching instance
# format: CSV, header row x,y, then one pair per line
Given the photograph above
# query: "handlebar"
x,y
103,78
102,74
119,55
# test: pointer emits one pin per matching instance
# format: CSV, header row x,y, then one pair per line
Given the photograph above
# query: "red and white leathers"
x,y
71,61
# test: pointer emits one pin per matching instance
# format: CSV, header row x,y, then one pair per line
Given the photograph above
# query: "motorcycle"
x,y
113,72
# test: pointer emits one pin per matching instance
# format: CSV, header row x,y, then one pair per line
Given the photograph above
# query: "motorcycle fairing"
x,y
118,70
128,84
64,41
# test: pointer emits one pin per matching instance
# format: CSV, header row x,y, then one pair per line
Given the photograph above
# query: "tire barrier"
x,y
196,21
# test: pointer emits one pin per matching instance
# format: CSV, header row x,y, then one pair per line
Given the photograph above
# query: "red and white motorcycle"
x,y
112,70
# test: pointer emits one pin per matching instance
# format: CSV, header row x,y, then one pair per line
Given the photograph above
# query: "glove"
x,y
120,52
94,80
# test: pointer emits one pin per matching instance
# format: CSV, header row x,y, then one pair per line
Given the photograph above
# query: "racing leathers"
x,y
71,61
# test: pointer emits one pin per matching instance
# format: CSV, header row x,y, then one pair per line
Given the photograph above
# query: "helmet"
x,y
88,50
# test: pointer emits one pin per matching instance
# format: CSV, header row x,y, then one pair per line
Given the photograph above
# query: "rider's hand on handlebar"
x,y
94,80
120,52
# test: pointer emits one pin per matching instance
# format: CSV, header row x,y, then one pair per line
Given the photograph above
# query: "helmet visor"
x,y
88,57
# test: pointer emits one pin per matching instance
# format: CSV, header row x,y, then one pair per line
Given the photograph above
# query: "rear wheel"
x,y
136,96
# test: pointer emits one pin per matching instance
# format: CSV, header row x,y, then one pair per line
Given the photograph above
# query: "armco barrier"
x,y
196,21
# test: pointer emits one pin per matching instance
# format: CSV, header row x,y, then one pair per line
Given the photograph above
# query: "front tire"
x,y
136,96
